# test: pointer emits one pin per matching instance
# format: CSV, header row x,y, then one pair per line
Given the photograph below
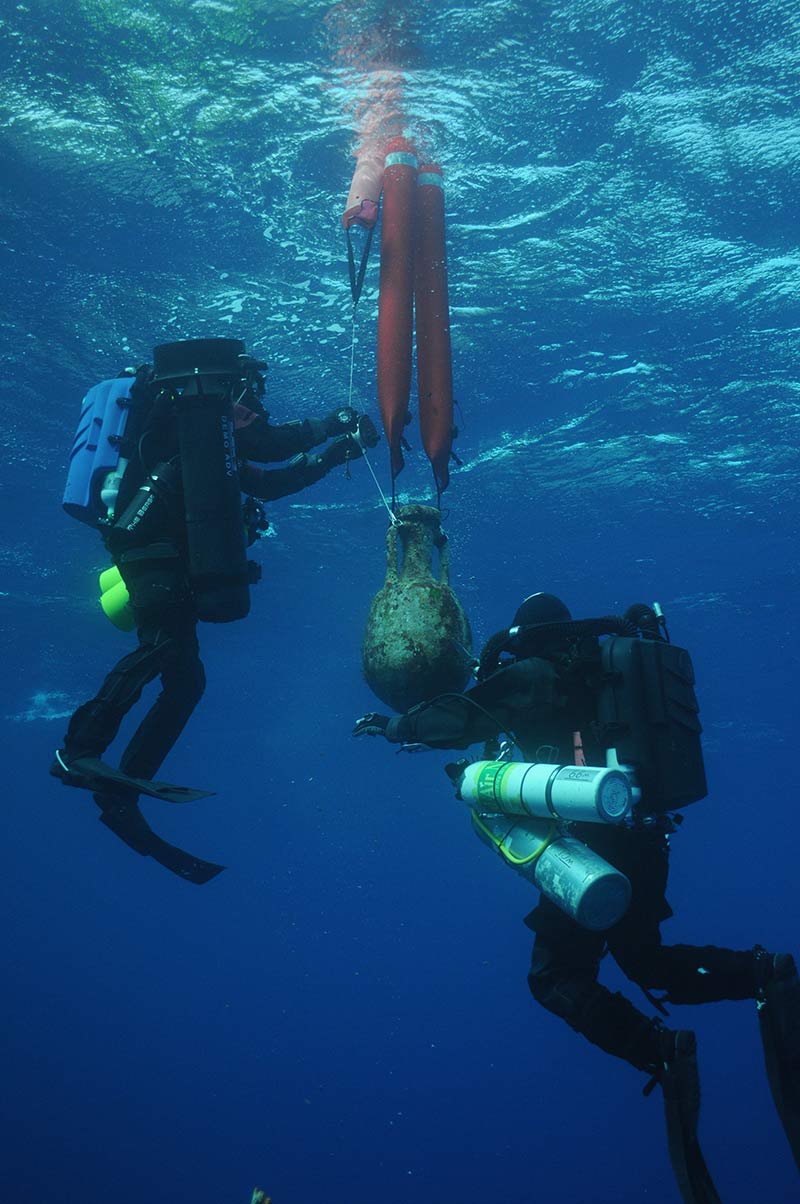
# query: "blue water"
x,y
343,1016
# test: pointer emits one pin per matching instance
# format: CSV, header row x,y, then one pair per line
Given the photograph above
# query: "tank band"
x,y
548,792
401,159
489,786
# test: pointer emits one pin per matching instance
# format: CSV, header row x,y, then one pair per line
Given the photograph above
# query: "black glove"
x,y
338,452
367,431
346,447
340,422
371,725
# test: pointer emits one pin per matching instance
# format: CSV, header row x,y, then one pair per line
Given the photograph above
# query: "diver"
x,y
170,514
539,682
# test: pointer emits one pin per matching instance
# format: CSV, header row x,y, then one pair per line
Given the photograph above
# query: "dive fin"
x,y
778,1003
90,773
680,1083
125,820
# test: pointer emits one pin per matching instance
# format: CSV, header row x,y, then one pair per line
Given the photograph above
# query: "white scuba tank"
x,y
589,793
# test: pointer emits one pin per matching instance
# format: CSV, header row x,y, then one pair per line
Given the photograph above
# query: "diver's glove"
x,y
343,421
371,724
339,451
347,447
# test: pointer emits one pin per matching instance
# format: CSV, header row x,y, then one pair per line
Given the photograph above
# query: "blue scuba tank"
x,y
95,467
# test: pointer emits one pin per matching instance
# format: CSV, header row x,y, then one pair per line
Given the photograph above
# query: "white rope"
x,y
392,517
352,359
357,435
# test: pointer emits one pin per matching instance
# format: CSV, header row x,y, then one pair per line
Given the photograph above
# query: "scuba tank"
x,y
573,876
585,793
201,374
516,809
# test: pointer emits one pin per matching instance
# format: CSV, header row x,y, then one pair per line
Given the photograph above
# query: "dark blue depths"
x,y
343,1016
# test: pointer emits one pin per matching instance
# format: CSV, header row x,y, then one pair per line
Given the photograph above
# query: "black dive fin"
x,y
126,821
688,1164
779,1021
90,773
681,1087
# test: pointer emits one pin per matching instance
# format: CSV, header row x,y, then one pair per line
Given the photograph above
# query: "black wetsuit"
x,y
155,570
529,698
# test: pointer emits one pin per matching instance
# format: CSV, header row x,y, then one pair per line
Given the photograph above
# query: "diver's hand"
x,y
338,451
343,421
346,448
371,725
367,432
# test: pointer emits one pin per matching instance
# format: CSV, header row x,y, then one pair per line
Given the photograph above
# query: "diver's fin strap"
x,y
90,773
357,278
126,821
658,1004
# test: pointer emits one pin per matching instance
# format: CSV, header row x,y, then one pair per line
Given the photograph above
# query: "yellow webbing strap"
x,y
509,857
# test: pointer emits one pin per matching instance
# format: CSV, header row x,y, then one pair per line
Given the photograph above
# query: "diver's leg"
x,y
160,597
164,613
183,679
563,979
161,594
566,985
700,974
605,1018
689,973
95,724
183,683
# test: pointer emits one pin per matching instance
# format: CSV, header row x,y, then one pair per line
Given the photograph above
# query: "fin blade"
x,y
127,822
779,1023
90,773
